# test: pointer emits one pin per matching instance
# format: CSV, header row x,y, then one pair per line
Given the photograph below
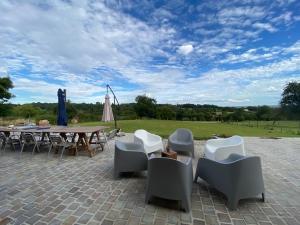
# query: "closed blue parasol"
x,y
62,118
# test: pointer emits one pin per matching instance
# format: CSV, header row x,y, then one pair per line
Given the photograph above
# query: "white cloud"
x,y
185,49
238,100
265,26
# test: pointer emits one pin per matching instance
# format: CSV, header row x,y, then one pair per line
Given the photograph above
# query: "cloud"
x,y
238,100
265,26
186,49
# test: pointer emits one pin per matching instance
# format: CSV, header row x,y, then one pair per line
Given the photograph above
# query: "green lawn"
x,y
201,130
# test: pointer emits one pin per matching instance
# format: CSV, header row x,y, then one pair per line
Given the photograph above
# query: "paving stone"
x,y
250,219
84,219
185,217
198,214
265,223
211,220
99,216
73,206
138,212
224,218
70,220
160,221
120,222
147,218
112,214
291,221
124,214
238,222
134,220
107,222
173,218
198,222
276,220
33,219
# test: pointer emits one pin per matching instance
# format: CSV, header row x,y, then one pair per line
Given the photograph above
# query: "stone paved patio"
x,y
81,190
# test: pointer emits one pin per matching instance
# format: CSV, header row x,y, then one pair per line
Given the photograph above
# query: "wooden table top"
x,y
57,129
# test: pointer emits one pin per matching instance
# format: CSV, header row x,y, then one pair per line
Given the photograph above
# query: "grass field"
x,y
204,130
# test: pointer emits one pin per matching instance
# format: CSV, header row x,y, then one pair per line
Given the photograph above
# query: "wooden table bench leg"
x,y
85,142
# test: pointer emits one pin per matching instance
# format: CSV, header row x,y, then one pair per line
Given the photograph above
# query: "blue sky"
x,y
206,52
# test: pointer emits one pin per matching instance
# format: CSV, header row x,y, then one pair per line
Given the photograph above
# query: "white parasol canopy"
x,y
107,110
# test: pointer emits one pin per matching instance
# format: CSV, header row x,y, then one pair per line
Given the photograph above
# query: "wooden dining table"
x,y
82,131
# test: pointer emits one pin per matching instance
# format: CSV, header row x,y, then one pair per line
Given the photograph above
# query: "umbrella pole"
x,y
115,117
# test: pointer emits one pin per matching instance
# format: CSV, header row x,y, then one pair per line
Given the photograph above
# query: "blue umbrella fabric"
x,y
62,118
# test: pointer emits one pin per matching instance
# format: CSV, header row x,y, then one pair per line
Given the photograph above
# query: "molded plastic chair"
x,y
150,142
182,141
220,148
129,157
170,179
237,177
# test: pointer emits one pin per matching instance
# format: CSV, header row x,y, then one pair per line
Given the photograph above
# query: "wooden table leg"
x,y
98,139
85,142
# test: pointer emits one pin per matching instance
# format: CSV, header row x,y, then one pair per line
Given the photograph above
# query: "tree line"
x,y
146,107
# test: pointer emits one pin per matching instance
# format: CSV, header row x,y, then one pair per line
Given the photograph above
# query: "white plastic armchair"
x,y
220,148
150,142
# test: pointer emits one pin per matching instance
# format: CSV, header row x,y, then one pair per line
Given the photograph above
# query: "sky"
x,y
227,53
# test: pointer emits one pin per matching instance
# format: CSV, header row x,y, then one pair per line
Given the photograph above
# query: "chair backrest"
x,y
2,139
2,136
28,138
183,134
246,171
235,140
56,139
231,141
112,134
142,134
168,176
124,146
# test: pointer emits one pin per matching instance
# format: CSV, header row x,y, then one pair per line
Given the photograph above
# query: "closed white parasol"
x,y
107,110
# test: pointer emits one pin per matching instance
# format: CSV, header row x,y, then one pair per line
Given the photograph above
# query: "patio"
x,y
81,190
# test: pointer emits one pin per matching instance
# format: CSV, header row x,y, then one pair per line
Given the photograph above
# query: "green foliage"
x,y
27,111
165,112
5,95
71,110
264,113
5,110
290,101
5,85
145,106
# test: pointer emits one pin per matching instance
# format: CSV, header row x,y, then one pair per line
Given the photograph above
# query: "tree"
x,y
27,111
290,101
165,112
5,95
5,85
145,106
264,113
